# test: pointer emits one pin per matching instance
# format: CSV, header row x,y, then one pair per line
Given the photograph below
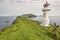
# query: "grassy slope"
x,y
24,29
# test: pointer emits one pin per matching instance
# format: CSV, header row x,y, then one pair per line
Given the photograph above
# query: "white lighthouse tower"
x,y
45,19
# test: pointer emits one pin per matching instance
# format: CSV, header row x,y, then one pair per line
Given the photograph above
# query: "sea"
x,y
6,21
53,19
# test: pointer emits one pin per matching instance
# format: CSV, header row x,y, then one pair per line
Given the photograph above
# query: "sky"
x,y
19,7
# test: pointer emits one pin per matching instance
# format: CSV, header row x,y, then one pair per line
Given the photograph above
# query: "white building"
x,y
45,19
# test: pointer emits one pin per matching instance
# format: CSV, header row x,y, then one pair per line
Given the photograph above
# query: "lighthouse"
x,y
45,18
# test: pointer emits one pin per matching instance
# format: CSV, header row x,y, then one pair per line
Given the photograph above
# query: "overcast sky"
x,y
18,7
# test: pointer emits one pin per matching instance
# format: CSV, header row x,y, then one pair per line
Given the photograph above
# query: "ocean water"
x,y
53,19
6,21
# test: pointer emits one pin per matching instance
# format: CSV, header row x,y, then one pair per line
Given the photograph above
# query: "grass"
x,y
25,29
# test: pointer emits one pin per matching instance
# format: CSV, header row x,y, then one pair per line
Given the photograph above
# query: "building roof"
x,y
46,4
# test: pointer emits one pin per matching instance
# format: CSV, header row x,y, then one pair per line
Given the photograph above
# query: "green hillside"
x,y
25,29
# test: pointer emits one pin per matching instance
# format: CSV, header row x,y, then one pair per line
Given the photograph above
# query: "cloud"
x,y
17,7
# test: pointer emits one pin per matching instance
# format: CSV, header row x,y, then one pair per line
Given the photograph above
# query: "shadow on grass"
x,y
51,35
